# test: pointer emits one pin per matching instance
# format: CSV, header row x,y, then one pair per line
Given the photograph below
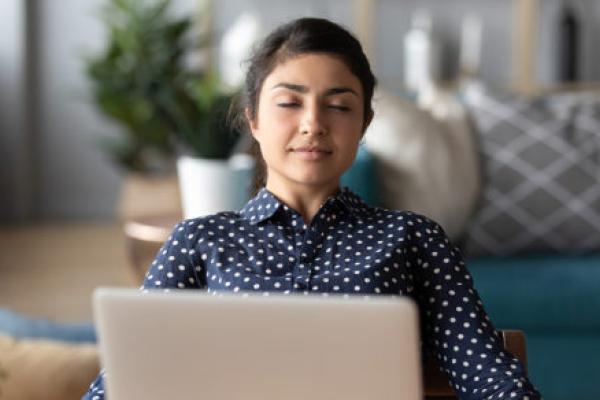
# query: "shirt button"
x,y
300,286
300,283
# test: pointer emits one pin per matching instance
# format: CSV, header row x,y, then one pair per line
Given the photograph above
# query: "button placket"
x,y
311,238
306,239
300,270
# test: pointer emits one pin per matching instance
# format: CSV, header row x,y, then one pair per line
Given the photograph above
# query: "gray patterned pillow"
x,y
541,171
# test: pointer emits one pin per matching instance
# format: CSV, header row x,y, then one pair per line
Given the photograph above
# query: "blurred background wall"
x,y
50,165
51,168
14,164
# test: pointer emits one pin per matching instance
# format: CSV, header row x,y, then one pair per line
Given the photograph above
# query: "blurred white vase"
x,y
210,186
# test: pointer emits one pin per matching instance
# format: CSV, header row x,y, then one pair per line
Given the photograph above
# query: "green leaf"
x,y
140,81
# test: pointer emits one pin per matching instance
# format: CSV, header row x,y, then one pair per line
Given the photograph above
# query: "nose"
x,y
313,121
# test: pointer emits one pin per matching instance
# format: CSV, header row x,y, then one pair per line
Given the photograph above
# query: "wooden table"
x,y
144,237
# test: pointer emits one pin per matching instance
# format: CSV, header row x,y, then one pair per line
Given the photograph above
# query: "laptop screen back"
x,y
191,345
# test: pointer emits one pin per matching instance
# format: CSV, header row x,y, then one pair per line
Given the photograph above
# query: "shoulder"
x,y
405,217
211,224
386,216
417,227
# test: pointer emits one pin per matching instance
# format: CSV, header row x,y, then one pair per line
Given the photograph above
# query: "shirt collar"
x,y
265,204
351,201
261,207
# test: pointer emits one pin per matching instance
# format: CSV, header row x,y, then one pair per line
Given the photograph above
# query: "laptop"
x,y
194,345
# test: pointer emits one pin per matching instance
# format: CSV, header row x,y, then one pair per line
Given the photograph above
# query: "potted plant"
x,y
143,80
209,180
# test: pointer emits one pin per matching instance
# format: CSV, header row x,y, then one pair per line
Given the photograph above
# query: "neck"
x,y
305,199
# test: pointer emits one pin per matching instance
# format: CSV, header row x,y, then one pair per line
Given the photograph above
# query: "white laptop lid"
x,y
192,345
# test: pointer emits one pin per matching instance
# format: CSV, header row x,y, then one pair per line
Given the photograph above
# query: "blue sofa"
x,y
555,300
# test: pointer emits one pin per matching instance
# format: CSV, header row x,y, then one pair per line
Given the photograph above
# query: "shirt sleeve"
x,y
177,266
456,328
96,391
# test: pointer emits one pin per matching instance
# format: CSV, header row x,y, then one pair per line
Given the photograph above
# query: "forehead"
x,y
314,70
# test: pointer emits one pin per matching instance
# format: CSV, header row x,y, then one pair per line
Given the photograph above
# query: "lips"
x,y
311,152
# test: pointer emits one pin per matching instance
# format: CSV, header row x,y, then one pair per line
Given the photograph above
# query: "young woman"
x,y
307,104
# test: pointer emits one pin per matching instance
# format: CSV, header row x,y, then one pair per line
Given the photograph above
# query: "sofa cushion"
x,y
541,171
22,326
540,293
426,161
42,369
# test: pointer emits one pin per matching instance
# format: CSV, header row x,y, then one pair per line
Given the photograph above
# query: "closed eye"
x,y
339,108
288,105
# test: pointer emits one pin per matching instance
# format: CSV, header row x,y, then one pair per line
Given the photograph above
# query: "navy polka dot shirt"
x,y
353,249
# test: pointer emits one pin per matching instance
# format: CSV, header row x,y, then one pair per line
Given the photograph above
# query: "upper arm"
x,y
176,265
456,328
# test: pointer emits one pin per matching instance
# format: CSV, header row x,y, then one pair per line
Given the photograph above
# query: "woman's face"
x,y
309,121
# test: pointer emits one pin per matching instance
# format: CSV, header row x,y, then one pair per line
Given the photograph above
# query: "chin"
x,y
315,180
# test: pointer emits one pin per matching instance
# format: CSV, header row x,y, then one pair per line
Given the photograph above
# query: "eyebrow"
x,y
303,89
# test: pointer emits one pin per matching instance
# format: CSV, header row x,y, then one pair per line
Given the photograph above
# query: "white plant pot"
x,y
209,186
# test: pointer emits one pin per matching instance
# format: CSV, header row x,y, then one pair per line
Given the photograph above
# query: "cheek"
x,y
352,122
274,133
350,153
350,133
271,138
349,143
272,118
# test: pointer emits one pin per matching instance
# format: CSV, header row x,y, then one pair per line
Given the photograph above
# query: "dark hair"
x,y
300,36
